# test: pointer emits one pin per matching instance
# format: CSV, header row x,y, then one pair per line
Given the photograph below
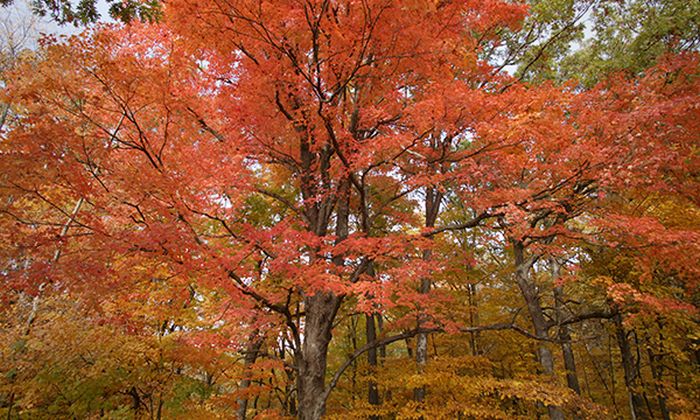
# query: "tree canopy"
x,y
366,208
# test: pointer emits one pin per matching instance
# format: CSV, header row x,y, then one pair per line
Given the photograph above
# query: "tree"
x,y
253,175
631,35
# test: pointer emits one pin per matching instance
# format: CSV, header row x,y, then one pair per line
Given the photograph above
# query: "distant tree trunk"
x,y
380,326
409,349
252,350
372,360
657,371
10,405
432,208
422,341
289,404
529,291
56,256
353,344
636,399
473,319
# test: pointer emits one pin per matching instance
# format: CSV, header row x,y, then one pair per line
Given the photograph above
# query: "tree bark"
x,y
473,319
569,359
372,356
636,399
657,370
564,333
432,208
372,360
422,341
251,354
529,291
657,373
57,254
321,310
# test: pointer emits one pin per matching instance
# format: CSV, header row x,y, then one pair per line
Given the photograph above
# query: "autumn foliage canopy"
x,y
344,208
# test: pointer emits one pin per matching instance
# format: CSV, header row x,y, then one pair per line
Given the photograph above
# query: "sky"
x,y
20,14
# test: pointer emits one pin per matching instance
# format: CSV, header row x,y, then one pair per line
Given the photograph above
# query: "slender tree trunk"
x,y
432,208
636,399
599,373
353,343
3,114
569,359
289,404
564,333
372,360
532,300
657,371
473,319
10,405
638,368
422,341
587,384
251,354
380,326
57,254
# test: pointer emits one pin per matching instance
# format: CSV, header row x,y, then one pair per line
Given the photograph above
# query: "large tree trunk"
x,y
321,310
532,300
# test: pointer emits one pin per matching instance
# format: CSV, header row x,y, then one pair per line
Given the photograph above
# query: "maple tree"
x,y
227,192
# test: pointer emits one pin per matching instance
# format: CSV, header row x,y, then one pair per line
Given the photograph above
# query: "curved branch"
x,y
369,346
466,225
408,334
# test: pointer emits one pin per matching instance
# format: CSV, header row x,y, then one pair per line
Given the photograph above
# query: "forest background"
x,y
350,209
